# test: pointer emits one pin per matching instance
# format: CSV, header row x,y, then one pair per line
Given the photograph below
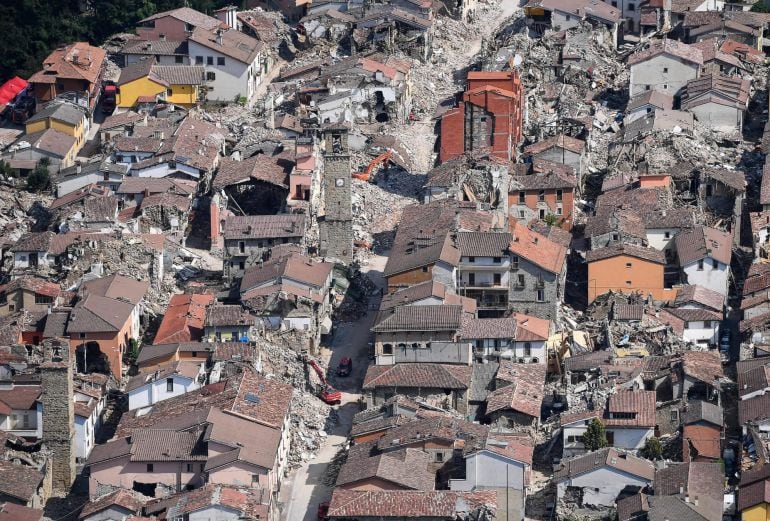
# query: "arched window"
x,y
387,349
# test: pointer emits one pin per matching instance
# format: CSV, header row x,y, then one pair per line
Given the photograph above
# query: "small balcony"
x,y
483,285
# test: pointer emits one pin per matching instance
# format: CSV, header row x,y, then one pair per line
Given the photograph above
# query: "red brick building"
x,y
489,118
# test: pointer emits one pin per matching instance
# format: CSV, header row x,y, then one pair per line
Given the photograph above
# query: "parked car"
x,y
345,367
725,340
725,343
323,511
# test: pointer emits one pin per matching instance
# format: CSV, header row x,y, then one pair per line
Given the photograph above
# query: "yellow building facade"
x,y
179,85
145,86
67,120
759,512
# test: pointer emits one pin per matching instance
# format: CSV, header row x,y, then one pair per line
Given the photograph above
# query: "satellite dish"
x,y
517,60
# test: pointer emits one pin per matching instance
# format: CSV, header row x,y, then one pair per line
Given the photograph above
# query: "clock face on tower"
x,y
340,182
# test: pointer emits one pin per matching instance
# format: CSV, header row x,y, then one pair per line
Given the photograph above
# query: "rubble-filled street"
x,y
393,259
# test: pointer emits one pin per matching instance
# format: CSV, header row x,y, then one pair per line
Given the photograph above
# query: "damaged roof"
x,y
719,89
674,48
424,237
639,252
702,242
269,169
561,141
525,392
607,457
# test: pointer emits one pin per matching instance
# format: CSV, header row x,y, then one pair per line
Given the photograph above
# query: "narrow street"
x,y
304,489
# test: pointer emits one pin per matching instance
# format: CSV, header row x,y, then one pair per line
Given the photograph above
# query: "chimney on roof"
x,y
219,36
162,37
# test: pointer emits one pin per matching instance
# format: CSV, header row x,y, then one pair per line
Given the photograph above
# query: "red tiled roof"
x,y
19,481
270,169
78,61
13,512
525,393
705,439
408,504
640,403
425,376
183,320
518,448
127,499
562,141
705,366
34,284
263,399
754,494
537,249
672,47
639,252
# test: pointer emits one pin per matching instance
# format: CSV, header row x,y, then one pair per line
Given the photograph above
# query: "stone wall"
x,y
336,228
58,413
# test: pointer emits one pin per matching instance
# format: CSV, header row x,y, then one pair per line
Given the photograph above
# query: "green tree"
x,y
551,219
653,449
595,437
761,7
39,178
6,170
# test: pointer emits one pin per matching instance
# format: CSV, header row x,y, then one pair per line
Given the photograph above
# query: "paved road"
x,y
303,490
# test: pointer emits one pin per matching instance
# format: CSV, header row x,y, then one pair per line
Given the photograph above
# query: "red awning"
x,y
11,89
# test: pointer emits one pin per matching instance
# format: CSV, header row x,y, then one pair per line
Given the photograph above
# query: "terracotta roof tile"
x,y
274,170
127,499
19,481
525,394
13,512
408,504
264,226
483,244
754,409
227,315
754,494
405,468
609,457
263,399
639,403
187,15
419,318
562,141
230,42
705,366
671,47
78,61
425,376
424,237
700,295
639,252
537,249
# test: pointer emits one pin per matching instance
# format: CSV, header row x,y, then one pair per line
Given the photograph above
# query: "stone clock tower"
x,y
336,224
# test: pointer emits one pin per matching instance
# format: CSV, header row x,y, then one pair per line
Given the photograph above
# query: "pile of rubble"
x,y
355,304
377,205
310,417
310,420
19,210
